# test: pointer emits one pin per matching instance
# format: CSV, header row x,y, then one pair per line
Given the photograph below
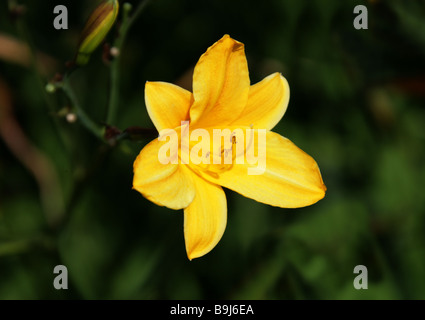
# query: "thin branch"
x,y
127,22
96,129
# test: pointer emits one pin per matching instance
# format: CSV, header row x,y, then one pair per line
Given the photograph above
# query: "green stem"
x,y
81,114
21,246
127,22
114,93
14,247
137,13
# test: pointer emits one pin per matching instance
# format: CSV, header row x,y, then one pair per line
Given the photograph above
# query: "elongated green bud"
x,y
97,27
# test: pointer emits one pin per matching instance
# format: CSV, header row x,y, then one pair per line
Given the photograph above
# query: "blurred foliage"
x,y
357,106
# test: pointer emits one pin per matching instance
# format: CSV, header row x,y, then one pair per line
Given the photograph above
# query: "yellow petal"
x,y
291,177
267,103
205,218
167,104
167,185
220,84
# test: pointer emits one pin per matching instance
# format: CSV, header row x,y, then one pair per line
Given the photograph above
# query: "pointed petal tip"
x,y
201,250
318,189
189,256
193,254
237,45
320,193
324,190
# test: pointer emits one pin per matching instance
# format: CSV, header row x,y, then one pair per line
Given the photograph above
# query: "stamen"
x,y
220,160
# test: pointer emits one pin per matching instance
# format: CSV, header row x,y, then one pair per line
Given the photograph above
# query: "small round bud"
x,y
114,52
50,88
71,117
127,7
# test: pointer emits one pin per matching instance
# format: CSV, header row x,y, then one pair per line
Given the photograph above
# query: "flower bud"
x,y
50,88
97,27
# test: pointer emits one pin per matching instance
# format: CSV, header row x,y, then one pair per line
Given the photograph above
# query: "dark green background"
x,y
357,106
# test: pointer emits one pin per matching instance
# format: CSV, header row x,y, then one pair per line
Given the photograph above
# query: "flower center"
x,y
219,158
214,151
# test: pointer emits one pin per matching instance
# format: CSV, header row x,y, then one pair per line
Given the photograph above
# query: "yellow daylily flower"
x,y
222,98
